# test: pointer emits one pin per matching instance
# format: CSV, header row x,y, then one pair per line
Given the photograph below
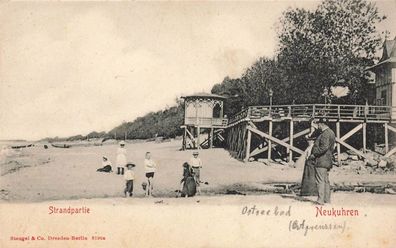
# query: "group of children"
x,y
190,183
127,170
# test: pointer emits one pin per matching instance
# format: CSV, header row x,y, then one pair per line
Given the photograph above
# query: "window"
x,y
217,111
383,97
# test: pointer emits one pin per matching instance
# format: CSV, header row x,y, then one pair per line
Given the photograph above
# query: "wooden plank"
x,y
198,134
263,149
391,128
211,138
191,136
291,133
351,148
338,144
352,132
252,124
364,137
269,140
184,145
248,141
386,138
391,152
280,142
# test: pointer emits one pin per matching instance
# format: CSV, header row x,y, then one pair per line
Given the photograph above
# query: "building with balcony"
x,y
204,121
385,75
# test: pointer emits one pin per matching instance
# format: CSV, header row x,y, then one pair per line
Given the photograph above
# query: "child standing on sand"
x,y
129,176
121,158
196,165
150,167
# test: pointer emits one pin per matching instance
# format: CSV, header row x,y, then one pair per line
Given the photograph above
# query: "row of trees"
x,y
165,123
317,50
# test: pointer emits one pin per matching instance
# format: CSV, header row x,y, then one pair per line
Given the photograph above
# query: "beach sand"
x,y
35,179
38,174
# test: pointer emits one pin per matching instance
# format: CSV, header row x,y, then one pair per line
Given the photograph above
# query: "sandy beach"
x,y
36,174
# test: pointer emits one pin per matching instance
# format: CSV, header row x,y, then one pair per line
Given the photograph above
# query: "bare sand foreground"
x,y
38,174
36,179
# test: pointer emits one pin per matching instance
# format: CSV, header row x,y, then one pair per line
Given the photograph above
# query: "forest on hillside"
x,y
317,51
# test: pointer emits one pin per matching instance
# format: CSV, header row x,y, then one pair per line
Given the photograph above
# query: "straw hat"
x,y
122,143
130,164
195,153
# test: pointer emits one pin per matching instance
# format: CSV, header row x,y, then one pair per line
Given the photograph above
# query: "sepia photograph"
x,y
198,123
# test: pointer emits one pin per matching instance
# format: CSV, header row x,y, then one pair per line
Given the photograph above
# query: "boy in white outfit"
x,y
196,165
129,176
150,168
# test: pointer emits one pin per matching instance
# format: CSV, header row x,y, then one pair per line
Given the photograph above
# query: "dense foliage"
x,y
330,46
165,123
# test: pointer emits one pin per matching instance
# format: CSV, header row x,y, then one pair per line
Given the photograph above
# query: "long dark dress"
x,y
189,184
308,184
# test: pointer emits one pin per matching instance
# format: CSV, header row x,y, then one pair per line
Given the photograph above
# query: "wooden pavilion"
x,y
204,122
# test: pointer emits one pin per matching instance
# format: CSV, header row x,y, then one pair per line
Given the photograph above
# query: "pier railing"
x,y
202,121
307,111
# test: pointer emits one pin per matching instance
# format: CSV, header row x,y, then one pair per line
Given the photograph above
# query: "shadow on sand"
x,y
298,198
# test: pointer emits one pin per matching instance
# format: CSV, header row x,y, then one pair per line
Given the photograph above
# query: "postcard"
x,y
198,123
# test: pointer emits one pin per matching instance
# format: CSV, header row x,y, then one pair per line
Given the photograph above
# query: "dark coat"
x,y
323,148
189,184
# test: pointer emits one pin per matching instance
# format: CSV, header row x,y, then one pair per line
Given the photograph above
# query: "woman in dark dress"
x,y
308,184
189,186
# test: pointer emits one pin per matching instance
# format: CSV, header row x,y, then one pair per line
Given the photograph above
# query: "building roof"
x,y
205,95
390,60
389,49
388,53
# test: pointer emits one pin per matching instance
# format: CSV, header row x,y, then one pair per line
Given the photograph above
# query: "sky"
x,y
69,68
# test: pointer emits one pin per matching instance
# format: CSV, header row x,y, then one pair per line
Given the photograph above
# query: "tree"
x,y
327,47
253,87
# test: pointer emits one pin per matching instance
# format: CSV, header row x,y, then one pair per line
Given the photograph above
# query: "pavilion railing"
x,y
206,121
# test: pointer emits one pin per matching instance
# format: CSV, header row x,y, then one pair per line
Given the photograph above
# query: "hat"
x,y
122,143
130,164
309,137
195,153
322,120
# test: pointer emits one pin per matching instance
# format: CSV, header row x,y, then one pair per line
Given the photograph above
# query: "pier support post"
x,y
198,138
364,137
184,145
291,141
269,141
211,138
338,144
248,141
386,138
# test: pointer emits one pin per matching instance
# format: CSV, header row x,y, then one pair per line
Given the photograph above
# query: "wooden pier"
x,y
251,132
